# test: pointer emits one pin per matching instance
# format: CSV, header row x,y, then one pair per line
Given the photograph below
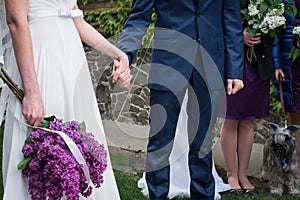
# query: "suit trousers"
x,y
165,109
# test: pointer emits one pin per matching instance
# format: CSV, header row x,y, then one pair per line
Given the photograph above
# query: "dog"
x,y
280,160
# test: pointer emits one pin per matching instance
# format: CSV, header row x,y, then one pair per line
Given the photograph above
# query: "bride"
x,y
48,62
179,172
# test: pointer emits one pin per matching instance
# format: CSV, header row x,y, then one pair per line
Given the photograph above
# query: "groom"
x,y
196,43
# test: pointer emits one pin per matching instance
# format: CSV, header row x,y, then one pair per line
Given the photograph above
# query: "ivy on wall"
x,y
109,20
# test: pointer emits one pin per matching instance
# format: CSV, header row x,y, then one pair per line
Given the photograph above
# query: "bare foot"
x,y
245,183
234,182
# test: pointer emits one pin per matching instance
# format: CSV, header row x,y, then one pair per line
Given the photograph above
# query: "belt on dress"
x,y
63,12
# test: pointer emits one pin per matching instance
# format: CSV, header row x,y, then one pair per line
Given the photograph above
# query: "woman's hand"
x,y
279,75
249,40
121,71
33,109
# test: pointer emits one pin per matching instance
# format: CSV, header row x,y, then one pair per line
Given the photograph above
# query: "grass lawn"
x,y
127,180
127,184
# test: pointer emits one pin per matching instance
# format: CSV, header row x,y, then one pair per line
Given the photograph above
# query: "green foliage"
x,y
274,103
84,2
148,37
110,20
295,52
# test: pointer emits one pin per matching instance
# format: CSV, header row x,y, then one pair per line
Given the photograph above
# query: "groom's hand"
x,y
234,85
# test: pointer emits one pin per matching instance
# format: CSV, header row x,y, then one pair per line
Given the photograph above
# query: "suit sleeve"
x,y
135,27
233,36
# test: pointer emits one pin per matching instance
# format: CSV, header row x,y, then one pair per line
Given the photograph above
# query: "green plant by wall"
x,y
84,2
109,20
275,105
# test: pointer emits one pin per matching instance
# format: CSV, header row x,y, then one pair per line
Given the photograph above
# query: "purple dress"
x,y
252,102
295,71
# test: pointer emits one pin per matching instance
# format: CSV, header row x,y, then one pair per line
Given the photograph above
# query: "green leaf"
x,y
83,126
244,11
291,53
263,7
273,34
66,123
45,123
23,164
50,118
294,10
27,141
251,31
296,54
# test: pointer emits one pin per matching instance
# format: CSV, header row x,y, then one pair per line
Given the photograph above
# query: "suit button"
x,y
196,39
263,56
198,14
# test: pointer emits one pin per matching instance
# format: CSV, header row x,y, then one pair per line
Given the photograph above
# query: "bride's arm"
x,y
16,16
93,38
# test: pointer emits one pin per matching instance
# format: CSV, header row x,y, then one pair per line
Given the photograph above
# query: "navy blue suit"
x,y
179,62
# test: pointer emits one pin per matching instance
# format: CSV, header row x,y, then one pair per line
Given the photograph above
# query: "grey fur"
x,y
280,160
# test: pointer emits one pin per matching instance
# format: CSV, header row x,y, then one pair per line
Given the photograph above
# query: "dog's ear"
x,y
273,126
293,129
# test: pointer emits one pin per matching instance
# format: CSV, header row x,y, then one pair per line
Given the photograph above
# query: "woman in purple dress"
x,y
251,103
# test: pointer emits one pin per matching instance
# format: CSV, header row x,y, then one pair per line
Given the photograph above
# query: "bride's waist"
x,y
62,12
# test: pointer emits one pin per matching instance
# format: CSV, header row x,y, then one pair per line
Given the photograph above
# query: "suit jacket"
x,y
181,25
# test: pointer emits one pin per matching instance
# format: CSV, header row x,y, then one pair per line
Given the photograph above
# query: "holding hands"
x,y
121,71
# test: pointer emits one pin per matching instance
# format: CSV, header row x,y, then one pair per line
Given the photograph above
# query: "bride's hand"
x,y
121,71
33,109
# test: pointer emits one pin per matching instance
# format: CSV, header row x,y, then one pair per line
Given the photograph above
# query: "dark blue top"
x,y
281,49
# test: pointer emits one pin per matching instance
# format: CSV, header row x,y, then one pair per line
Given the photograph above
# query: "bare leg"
x,y
229,147
245,141
294,119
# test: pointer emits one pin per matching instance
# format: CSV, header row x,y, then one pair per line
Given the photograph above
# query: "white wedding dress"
x,y
66,88
179,171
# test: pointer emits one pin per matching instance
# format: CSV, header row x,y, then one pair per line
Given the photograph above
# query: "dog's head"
x,y
283,142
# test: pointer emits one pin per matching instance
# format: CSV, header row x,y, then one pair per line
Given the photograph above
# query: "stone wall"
x,y
115,103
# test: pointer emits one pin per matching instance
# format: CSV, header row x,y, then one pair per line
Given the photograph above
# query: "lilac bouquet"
x,y
51,168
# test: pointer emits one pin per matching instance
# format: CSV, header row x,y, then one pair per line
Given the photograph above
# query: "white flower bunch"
x,y
272,22
295,51
253,10
264,16
296,30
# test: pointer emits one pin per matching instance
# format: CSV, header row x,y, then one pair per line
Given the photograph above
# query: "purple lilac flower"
x,y
27,150
53,171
